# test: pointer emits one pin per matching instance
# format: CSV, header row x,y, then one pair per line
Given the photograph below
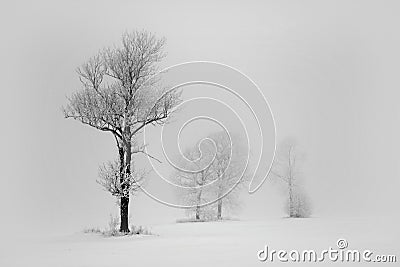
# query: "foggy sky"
x,y
329,70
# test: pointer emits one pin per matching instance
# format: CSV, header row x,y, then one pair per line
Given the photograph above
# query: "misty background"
x,y
329,70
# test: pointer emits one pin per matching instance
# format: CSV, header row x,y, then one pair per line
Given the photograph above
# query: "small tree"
x,y
120,95
286,167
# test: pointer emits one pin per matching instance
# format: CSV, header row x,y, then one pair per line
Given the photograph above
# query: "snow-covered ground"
x,y
228,243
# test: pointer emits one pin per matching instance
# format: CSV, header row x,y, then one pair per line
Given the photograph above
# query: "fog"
x,y
329,70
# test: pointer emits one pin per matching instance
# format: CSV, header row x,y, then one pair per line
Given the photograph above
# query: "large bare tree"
x,y
120,95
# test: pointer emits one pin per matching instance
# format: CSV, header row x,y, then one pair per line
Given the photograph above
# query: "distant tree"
x,y
286,168
194,174
229,170
301,206
119,95
221,173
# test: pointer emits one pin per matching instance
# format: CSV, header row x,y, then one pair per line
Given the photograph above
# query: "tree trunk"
x,y
199,197
198,205
290,183
220,192
124,213
291,200
124,209
219,215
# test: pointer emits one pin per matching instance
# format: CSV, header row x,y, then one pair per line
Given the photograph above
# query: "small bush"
x,y
112,226
140,230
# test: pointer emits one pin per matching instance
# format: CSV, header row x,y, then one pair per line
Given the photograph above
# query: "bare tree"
x,y
221,162
194,174
230,170
286,167
301,206
120,95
